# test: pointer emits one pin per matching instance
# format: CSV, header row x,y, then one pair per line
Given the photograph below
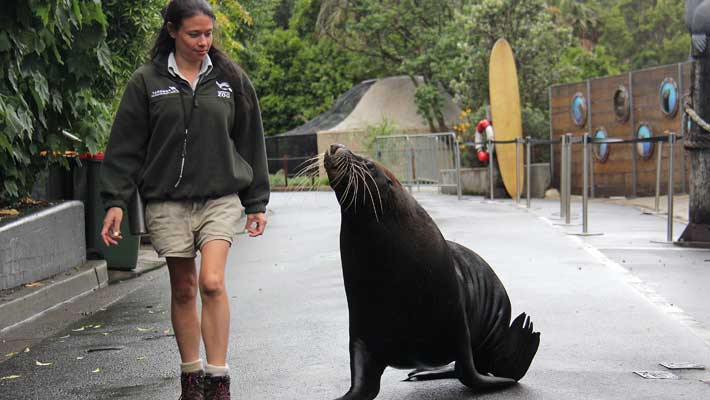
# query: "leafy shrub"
x,y
278,180
51,56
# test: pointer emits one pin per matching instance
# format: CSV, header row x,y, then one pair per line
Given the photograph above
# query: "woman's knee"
x,y
183,280
211,287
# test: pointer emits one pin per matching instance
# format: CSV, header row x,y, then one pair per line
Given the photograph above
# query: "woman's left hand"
x,y
256,224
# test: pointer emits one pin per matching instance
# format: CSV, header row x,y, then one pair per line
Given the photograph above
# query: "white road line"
x,y
641,288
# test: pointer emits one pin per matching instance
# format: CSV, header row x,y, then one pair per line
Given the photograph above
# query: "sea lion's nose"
x,y
334,147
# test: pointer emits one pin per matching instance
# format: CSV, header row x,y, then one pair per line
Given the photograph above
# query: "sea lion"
x,y
416,300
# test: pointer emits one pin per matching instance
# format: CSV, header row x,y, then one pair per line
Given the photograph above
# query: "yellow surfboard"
x,y
505,113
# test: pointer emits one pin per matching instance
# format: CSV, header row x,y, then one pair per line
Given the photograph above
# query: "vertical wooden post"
x,y
697,142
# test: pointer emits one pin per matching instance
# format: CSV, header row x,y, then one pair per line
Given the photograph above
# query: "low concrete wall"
x,y
474,181
42,244
541,180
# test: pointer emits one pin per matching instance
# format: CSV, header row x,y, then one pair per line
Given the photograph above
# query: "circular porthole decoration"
x,y
622,105
579,109
669,97
644,149
601,150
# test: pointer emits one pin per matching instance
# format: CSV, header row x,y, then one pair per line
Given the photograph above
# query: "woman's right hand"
x,y
111,232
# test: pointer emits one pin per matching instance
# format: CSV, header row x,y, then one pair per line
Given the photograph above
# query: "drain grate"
x,y
656,375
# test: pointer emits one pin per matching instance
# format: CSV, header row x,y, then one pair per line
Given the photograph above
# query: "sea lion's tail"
x,y
518,349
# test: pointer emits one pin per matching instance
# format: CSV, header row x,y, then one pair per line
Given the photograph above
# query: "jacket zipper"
x,y
187,120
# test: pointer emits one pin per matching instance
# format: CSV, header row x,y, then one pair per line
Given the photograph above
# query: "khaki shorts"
x,y
180,228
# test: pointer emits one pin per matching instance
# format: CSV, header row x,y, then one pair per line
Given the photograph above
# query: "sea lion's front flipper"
x,y
430,374
365,373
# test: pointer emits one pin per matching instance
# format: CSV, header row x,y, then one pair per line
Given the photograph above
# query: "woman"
x,y
188,135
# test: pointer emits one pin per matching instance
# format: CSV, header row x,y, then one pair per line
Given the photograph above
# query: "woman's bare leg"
x,y
215,304
183,307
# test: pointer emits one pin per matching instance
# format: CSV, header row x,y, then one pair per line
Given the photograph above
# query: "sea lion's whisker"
x,y
368,191
356,182
350,185
379,195
367,174
353,181
303,177
339,176
360,170
339,165
309,162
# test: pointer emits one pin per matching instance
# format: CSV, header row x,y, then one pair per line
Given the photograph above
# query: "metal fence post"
x,y
517,171
568,168
671,140
457,154
585,182
563,174
528,157
592,186
586,172
285,163
659,168
490,165
410,155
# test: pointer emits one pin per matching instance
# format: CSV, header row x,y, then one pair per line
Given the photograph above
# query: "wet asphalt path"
x,y
289,318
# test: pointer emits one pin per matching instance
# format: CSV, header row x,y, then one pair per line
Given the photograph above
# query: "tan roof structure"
x,y
388,99
365,105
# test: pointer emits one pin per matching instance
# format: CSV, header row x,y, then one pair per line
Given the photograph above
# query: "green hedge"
x,y
52,55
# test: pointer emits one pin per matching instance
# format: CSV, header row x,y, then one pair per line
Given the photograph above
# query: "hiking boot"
x,y
217,387
193,385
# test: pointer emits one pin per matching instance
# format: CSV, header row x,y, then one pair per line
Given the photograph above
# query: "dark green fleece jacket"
x,y
223,147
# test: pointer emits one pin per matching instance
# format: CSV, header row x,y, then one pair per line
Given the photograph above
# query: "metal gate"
x,y
430,160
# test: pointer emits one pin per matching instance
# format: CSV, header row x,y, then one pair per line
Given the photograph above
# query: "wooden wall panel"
x,y
617,175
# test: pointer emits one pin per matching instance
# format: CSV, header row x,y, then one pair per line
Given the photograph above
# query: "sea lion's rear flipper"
x,y
430,374
518,349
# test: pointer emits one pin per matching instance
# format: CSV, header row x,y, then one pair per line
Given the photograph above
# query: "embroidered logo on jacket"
x,y
225,90
163,92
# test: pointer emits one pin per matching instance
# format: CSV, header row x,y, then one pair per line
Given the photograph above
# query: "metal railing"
x,y
567,141
566,157
421,159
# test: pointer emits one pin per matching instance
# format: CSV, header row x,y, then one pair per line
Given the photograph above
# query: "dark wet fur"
x,y
416,300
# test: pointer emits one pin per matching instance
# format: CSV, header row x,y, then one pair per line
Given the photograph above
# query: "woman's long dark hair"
x,y
176,12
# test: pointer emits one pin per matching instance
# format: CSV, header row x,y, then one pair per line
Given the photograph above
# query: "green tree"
x,y
297,74
232,25
131,29
644,33
581,16
410,37
297,79
537,43
578,63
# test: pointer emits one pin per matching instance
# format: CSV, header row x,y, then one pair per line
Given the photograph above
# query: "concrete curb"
x,y
25,303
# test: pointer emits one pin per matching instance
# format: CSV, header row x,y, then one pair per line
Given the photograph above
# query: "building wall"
x,y
624,173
